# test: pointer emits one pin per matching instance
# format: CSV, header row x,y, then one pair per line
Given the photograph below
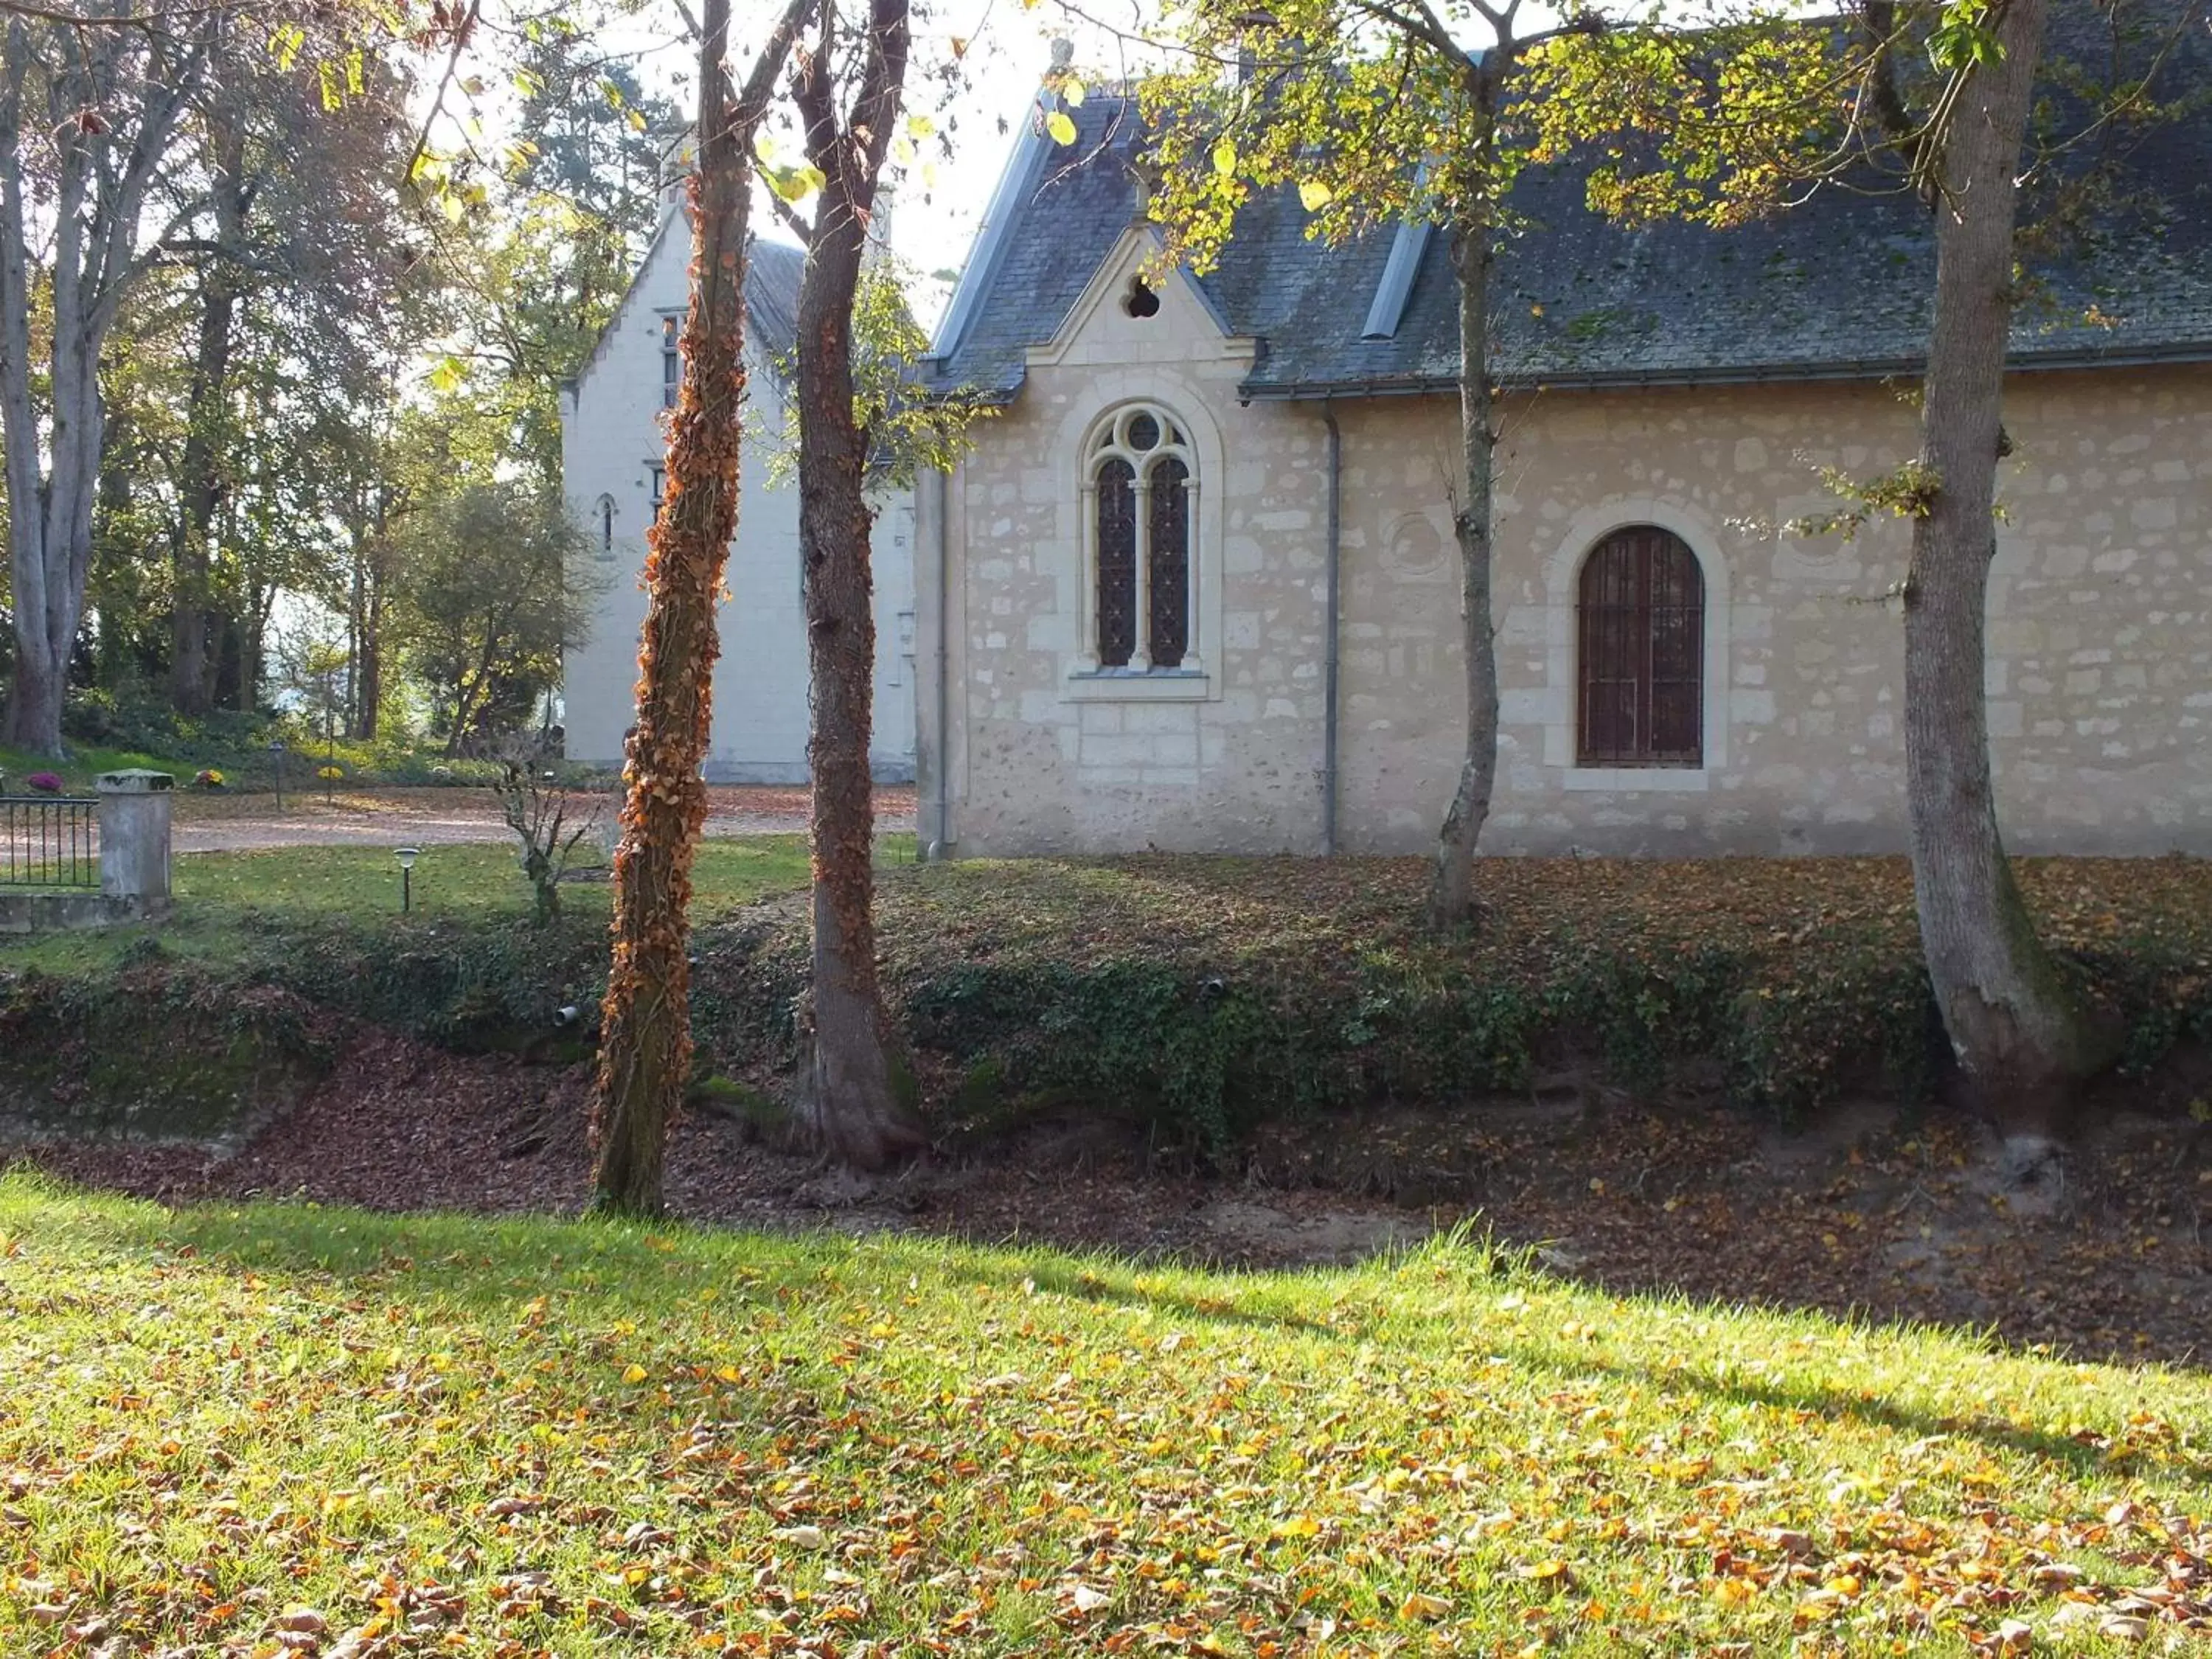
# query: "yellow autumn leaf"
x,y
1315,195
1421,1605
1545,1570
1224,157
1061,129
634,1374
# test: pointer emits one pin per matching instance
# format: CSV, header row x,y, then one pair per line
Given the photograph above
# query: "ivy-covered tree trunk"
x,y
1452,888
2021,1041
645,1050
851,1108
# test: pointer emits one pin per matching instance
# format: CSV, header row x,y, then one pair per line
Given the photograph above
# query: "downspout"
x,y
941,671
1331,606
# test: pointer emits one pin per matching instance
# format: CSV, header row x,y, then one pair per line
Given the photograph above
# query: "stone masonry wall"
x,y
1036,767
2101,617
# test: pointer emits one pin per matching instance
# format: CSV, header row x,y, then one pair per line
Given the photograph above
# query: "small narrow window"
x,y
672,360
607,524
656,478
1641,620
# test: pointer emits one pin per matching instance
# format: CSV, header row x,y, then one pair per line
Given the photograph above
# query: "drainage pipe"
x,y
1331,605
934,481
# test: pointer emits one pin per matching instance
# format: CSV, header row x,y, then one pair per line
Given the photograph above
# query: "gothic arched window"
x,y
1141,573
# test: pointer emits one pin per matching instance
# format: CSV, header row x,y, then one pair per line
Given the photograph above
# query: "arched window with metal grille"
x,y
1641,627
1139,489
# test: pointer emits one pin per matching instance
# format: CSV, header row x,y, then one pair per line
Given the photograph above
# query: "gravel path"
x,y
443,817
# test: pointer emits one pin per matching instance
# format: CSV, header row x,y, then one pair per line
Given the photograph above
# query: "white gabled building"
x,y
613,453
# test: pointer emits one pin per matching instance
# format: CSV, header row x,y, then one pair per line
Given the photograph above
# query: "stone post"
x,y
134,834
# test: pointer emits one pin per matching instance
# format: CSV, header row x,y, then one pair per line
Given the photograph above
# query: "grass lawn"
x,y
226,899
83,765
243,1431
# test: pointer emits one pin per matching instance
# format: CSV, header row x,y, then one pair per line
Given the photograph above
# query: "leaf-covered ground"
x,y
259,1429
1868,1212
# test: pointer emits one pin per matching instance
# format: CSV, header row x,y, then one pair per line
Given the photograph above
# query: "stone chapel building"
x,y
1196,587
613,461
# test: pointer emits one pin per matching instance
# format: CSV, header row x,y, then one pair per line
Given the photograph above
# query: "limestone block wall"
x,y
2100,671
2099,655
1042,762
610,439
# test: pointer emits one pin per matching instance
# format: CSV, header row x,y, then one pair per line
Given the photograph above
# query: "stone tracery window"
x,y
1140,558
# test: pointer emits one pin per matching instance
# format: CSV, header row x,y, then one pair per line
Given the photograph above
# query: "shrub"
x,y
44,783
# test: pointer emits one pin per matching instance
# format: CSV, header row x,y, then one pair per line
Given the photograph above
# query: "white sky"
x,y
1008,49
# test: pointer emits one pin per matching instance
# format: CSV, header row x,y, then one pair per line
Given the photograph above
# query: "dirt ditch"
x,y
2101,1250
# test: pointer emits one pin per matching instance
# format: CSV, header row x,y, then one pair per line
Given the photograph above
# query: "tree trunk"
x,y
369,682
370,556
2021,1041
199,481
851,1109
1451,887
645,1052
91,198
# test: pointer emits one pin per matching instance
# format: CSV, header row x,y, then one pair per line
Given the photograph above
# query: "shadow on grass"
x,y
447,1259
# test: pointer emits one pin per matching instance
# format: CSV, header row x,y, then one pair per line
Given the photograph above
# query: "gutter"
x,y
1332,605
1868,369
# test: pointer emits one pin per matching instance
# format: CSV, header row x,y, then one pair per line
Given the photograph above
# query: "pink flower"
x,y
45,782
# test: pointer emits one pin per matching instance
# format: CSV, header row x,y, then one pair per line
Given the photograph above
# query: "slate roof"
x,y
1840,287
772,273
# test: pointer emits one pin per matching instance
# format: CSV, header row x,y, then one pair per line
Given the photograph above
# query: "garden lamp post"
x,y
276,760
407,855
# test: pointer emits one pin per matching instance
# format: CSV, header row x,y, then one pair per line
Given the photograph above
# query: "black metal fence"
x,y
49,841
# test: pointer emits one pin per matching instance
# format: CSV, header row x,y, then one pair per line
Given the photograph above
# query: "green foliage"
x,y
1714,124
578,1438
1372,122
151,1049
500,581
1206,997
905,435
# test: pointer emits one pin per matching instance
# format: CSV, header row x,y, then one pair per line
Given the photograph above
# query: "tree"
x,y
1956,130
283,208
850,1107
498,583
2015,1026
88,115
545,817
645,1047
1374,111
